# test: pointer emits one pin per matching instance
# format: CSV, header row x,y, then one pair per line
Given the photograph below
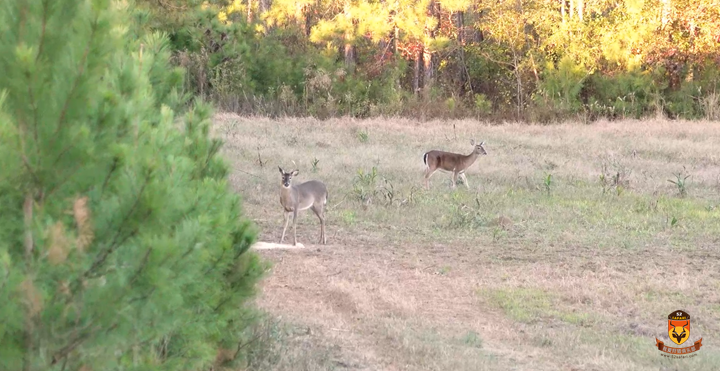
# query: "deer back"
x,y
450,161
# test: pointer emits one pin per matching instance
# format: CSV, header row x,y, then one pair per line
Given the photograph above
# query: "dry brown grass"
x,y
515,273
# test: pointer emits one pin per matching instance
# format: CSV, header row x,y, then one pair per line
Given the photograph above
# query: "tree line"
x,y
524,59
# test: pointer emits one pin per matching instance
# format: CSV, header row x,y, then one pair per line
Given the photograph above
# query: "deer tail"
x,y
425,159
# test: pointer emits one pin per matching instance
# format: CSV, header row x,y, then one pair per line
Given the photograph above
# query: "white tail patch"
x,y
425,159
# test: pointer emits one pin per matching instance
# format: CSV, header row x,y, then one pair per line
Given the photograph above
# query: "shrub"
x,y
626,94
560,87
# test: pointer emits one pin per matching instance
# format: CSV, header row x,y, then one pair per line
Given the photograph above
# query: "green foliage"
x,y
681,183
122,246
561,86
525,58
466,216
548,183
314,164
627,94
364,185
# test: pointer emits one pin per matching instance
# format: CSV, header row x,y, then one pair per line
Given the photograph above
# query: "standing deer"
x,y
312,195
451,162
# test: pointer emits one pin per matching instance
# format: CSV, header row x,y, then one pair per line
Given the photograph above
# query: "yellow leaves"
x,y
81,212
33,299
634,7
234,7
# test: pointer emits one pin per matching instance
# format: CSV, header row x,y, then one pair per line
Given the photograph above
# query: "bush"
x,y
560,87
627,94
122,246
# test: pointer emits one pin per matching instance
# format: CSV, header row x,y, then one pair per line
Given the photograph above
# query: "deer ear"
x,y
472,142
483,142
281,170
295,172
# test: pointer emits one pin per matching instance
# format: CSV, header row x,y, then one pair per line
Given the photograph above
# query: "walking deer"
x,y
451,162
312,195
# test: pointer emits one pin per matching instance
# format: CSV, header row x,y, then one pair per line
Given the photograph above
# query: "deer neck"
x,y
468,160
287,195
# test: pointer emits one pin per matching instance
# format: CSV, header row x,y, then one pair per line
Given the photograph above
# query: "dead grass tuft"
x,y
33,299
81,212
59,244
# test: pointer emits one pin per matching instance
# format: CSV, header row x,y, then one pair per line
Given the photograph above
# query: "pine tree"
x,y
121,246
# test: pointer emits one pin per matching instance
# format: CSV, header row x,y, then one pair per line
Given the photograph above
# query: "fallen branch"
x,y
271,246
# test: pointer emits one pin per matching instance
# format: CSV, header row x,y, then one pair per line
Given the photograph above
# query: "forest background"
x,y
528,60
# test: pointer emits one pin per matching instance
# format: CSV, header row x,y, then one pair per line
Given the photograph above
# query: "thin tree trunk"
x,y
474,17
665,16
461,68
348,48
416,71
307,12
395,35
563,4
249,11
264,6
349,51
580,9
427,68
518,77
428,65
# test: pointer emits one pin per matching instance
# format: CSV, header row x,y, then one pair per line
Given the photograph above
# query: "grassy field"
x,y
567,252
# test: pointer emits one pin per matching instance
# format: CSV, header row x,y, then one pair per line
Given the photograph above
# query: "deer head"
x,y
287,177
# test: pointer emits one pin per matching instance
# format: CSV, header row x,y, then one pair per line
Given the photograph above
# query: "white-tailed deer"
x,y
312,195
451,162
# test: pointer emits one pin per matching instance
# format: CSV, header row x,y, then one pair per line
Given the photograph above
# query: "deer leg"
x,y
287,219
454,179
428,174
322,225
295,214
464,178
318,210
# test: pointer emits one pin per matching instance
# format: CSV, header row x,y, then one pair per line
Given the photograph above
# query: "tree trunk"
x,y
580,9
563,4
461,68
474,17
348,48
665,16
307,14
249,11
416,71
395,35
519,86
428,65
427,68
349,51
264,6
